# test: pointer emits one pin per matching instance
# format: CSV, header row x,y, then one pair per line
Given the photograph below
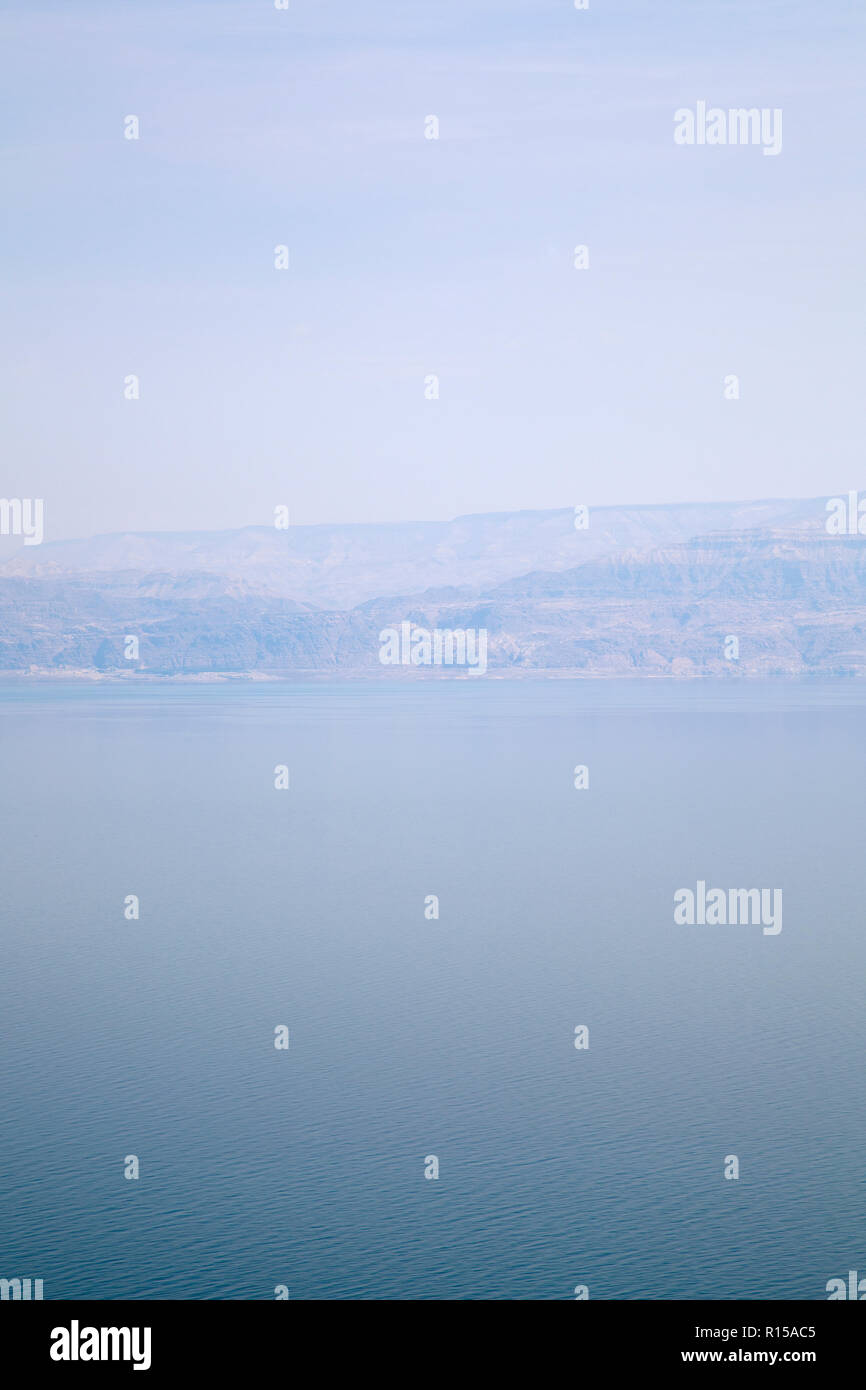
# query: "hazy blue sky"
x,y
411,256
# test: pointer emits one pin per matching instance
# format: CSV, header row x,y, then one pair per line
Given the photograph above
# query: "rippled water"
x,y
412,1037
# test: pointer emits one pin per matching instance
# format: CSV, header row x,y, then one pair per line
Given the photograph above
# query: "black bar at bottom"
x,y
226,1339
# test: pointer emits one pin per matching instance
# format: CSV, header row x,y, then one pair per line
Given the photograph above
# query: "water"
x,y
412,1037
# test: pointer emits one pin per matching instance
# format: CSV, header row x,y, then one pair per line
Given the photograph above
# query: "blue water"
x,y
412,1037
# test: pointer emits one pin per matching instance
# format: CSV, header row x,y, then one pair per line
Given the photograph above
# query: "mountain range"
x,y
641,590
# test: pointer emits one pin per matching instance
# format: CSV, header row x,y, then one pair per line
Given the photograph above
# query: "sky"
x,y
411,258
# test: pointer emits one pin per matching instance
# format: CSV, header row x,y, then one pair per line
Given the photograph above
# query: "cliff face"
x,y
793,598
55,625
795,606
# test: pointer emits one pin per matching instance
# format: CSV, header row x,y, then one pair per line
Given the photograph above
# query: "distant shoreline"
x,y
398,675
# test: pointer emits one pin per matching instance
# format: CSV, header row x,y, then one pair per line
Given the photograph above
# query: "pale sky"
x,y
411,257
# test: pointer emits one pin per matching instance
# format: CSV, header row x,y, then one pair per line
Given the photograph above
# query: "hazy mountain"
x,y
793,596
796,605
341,566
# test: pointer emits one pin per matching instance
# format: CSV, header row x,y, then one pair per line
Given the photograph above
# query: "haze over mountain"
x,y
641,590
341,566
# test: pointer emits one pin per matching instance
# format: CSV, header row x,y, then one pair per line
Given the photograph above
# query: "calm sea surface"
x,y
413,1037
